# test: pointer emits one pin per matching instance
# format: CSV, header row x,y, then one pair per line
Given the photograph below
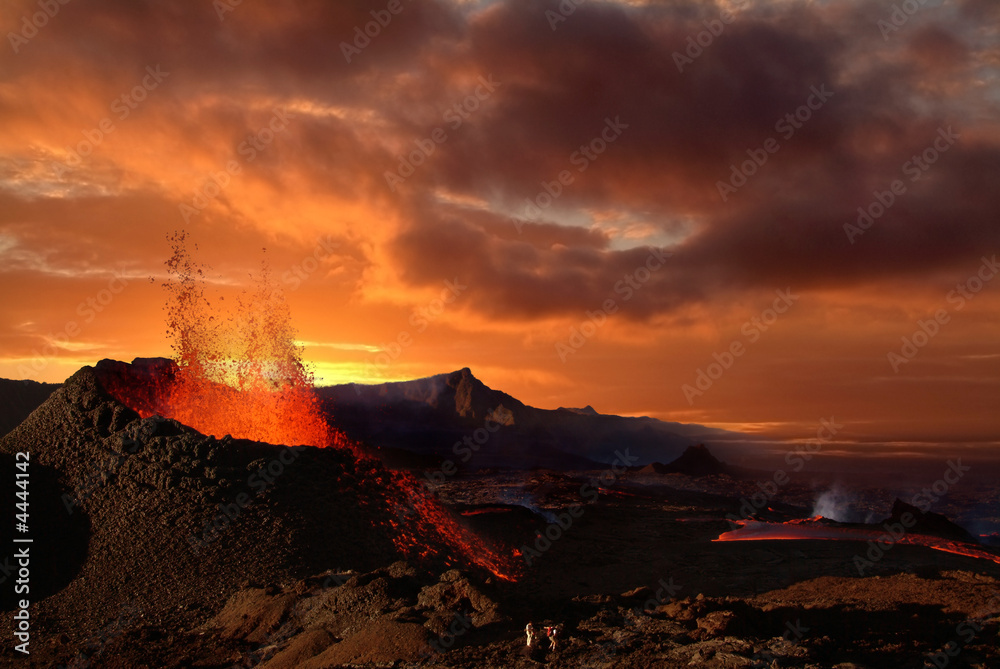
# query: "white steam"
x,y
835,504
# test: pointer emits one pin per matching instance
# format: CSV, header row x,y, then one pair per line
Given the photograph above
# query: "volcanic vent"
x,y
244,377
189,477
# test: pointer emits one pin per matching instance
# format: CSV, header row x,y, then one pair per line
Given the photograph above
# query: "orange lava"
x,y
616,493
479,512
244,376
423,514
813,529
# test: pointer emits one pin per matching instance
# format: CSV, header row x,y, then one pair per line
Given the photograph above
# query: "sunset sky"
x,y
479,178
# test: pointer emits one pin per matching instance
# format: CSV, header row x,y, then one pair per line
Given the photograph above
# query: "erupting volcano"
x,y
243,376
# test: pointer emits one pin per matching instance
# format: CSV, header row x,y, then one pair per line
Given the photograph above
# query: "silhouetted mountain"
x,y
18,399
694,461
586,411
455,394
456,416
929,523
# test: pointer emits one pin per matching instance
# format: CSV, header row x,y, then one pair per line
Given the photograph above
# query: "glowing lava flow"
x,y
819,528
245,377
616,493
423,513
489,510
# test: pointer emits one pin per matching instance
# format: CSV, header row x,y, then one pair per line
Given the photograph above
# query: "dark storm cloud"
x,y
890,100
557,91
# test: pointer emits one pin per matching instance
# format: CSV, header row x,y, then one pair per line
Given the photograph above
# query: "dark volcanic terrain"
x,y
307,574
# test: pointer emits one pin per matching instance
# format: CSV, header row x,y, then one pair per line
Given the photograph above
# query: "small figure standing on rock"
x,y
529,631
553,634
533,649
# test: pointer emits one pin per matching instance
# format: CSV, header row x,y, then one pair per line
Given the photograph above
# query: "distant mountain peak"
x,y
473,398
585,411
696,460
458,392
928,522
427,415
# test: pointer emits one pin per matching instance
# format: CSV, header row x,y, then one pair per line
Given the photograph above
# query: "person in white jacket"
x,y
529,631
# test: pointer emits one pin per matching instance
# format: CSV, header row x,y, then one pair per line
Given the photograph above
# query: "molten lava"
x,y
245,377
424,515
823,529
616,493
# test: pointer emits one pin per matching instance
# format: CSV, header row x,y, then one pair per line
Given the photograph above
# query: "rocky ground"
x,y
308,576
394,617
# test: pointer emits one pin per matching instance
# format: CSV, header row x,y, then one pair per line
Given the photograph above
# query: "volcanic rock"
x,y
148,512
694,461
381,617
716,623
308,576
929,523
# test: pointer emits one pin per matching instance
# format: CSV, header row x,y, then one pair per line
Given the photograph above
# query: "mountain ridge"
x,y
422,422
427,415
19,398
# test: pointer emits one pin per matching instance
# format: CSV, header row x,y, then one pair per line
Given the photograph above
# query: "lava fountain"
x,y
244,376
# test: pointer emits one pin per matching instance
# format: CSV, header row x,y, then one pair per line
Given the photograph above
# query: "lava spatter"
x,y
243,375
